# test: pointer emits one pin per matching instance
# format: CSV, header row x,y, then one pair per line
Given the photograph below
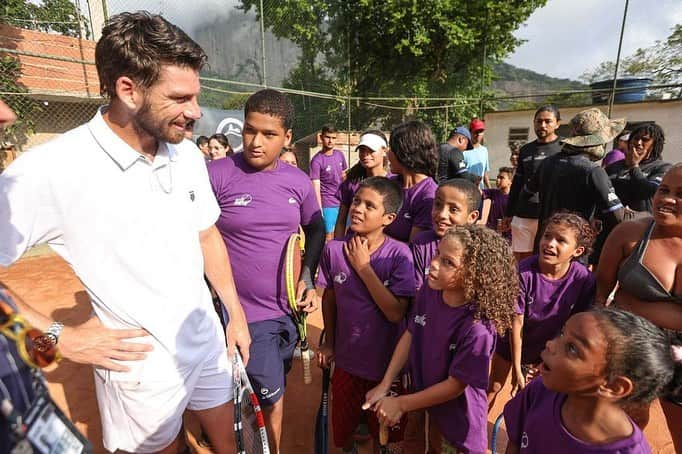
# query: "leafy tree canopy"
x,y
396,48
55,16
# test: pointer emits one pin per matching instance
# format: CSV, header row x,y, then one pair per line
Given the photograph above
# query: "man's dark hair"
x,y
414,145
551,108
329,129
388,189
201,140
138,45
271,102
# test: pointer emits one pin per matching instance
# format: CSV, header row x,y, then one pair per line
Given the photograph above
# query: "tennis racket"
x,y
323,411
249,423
292,273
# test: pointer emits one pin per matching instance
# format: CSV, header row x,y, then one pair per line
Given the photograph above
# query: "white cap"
x,y
372,141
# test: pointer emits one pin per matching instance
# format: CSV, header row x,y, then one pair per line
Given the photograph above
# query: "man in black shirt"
x,y
572,180
523,207
451,154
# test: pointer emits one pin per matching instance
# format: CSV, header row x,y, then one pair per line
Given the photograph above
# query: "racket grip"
x,y
383,435
307,375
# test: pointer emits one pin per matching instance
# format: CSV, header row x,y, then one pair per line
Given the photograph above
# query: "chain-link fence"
x,y
316,51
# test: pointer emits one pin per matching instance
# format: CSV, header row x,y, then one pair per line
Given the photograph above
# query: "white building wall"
x,y
667,114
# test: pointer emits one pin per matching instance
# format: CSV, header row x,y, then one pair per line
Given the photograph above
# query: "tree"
x,y
662,62
23,106
52,16
406,49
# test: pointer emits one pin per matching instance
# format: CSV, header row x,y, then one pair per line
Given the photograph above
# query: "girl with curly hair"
x,y
413,155
450,337
553,285
602,361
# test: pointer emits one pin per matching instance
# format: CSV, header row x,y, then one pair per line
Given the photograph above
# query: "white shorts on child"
x,y
146,416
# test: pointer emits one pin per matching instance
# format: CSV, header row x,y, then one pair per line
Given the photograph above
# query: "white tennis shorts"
x,y
144,417
523,234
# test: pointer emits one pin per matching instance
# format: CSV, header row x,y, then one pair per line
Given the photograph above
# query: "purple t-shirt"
x,y
365,339
329,170
259,211
447,341
533,420
424,247
416,209
612,156
547,304
498,207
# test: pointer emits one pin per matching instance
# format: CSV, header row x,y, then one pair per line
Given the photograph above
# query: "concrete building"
x,y
505,126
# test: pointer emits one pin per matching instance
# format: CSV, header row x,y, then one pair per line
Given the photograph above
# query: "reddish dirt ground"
x,y
49,284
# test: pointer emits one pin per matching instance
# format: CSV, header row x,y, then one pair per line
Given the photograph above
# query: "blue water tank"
x,y
629,90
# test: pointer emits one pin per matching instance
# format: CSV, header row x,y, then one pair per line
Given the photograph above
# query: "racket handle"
x,y
307,375
383,435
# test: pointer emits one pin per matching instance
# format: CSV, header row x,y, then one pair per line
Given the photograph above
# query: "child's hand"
x,y
325,355
374,395
518,381
357,251
389,411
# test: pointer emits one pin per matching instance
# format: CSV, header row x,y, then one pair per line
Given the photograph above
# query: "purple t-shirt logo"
x,y
243,200
420,320
340,278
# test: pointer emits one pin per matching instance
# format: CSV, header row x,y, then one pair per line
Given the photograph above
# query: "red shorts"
x,y
348,395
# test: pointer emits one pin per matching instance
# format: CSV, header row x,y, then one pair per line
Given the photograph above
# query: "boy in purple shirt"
x,y
327,171
263,201
368,279
602,361
456,203
451,337
553,285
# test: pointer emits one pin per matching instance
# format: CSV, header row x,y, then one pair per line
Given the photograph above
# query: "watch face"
x,y
45,342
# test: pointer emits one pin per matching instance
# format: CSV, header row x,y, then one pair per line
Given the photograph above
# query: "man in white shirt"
x,y
126,200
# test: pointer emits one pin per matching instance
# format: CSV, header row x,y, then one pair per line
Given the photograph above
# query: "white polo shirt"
x,y
130,230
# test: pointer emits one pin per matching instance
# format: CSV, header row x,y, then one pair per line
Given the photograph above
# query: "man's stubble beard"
x,y
145,124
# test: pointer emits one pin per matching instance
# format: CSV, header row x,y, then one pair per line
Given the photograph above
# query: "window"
x,y
518,134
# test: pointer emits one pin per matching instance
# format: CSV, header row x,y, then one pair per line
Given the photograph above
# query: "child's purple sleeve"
x,y
402,279
471,361
315,169
324,279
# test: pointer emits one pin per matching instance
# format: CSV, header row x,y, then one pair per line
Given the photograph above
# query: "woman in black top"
x,y
636,178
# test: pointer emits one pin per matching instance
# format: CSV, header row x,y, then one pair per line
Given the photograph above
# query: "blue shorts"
x,y
272,348
330,214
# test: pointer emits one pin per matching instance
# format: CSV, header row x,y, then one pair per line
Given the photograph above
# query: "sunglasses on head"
x,y
36,349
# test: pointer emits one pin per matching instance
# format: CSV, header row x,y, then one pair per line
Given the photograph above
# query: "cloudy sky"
x,y
569,37
564,39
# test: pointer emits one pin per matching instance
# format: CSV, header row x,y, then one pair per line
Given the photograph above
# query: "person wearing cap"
x,y
521,216
636,177
372,162
572,180
476,158
451,154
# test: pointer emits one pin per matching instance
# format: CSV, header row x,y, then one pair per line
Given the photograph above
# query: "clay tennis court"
x,y
49,284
